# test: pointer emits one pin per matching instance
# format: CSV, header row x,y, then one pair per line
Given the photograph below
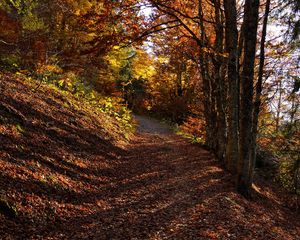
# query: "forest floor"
x,y
68,182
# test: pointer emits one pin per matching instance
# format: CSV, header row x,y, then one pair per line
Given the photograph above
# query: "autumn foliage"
x,y
79,80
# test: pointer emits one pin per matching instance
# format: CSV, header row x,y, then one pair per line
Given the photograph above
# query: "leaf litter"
x,y
71,181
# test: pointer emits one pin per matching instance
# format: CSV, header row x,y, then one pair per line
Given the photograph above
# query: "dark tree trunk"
x,y
232,75
257,102
206,85
246,117
218,67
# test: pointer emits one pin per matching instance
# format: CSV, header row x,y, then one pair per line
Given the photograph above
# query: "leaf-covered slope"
x,y
49,142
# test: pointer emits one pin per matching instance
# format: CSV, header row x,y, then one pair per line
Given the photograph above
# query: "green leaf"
x,y
20,128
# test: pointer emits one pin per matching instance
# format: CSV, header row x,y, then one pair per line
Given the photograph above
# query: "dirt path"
x,y
147,125
167,188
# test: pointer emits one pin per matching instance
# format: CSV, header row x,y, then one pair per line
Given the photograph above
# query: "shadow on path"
x,y
70,183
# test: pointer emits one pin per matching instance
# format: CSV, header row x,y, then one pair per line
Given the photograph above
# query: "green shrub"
x,y
289,171
286,146
71,83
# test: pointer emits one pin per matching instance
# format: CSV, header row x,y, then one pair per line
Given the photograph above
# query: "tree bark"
x,y
251,10
218,66
206,86
231,40
257,102
278,112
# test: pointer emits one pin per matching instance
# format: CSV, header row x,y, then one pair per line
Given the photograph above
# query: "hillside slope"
x,y
65,176
52,148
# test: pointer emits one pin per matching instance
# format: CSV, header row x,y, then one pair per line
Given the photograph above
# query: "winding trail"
x,y
69,182
168,188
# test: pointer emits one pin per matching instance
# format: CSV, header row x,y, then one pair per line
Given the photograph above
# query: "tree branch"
x,y
6,43
179,20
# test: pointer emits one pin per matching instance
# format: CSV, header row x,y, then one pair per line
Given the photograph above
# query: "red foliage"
x,y
194,126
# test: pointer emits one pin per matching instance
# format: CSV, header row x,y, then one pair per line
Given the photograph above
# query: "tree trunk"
x,y
206,86
231,40
218,66
279,88
246,117
258,91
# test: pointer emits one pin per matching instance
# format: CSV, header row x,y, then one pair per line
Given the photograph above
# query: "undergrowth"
x,y
81,95
192,129
284,145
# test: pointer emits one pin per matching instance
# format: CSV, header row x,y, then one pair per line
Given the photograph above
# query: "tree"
x,y
246,107
223,66
232,72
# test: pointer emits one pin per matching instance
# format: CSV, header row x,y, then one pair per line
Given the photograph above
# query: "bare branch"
x,y
6,43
